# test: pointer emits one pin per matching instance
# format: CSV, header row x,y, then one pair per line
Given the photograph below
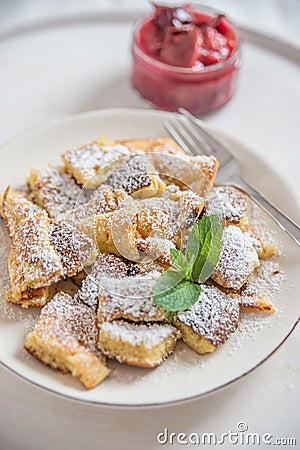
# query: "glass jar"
x,y
168,87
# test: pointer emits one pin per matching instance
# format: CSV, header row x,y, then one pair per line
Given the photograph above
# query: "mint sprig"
x,y
177,290
204,247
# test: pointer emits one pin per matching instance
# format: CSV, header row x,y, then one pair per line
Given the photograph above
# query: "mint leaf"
x,y
179,261
167,281
179,298
203,248
177,290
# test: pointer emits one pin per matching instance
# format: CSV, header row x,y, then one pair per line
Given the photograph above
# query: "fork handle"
x,y
282,219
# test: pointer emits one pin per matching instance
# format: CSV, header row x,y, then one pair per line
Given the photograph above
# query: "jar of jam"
x,y
186,57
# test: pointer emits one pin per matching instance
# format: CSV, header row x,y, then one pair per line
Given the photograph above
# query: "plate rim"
x,y
148,406
65,118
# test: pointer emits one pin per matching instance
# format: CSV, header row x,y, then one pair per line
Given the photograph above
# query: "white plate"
x,y
185,375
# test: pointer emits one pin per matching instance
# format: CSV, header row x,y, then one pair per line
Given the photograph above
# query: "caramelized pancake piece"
x,y
149,268
79,278
150,225
128,298
153,145
229,204
31,297
237,261
90,163
137,345
106,199
193,172
166,216
55,190
103,200
161,222
109,238
75,249
99,228
190,206
250,298
135,174
155,221
41,254
33,262
264,249
106,265
157,249
210,321
15,206
65,338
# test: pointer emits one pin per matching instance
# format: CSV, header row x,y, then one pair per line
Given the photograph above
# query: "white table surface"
x,y
267,399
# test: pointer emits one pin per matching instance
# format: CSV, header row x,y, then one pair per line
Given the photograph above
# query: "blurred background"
x,y
277,17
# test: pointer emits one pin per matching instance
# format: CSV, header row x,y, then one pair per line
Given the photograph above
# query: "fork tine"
x,y
195,139
185,136
174,132
216,148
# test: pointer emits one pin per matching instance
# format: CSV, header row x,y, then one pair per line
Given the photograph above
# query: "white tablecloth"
x,y
267,399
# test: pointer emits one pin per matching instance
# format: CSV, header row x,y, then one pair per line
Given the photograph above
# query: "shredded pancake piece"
x,y
137,345
89,164
106,265
210,321
128,298
237,261
229,204
65,337
15,206
56,191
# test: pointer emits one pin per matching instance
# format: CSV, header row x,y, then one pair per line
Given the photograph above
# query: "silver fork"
x,y
188,132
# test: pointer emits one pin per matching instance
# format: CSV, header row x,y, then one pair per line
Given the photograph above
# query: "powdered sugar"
x,y
33,260
147,335
105,265
16,206
237,261
74,248
90,158
8,312
129,298
227,203
131,173
56,190
103,200
214,316
65,318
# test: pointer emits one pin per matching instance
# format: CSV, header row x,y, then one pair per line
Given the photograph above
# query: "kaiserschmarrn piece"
x,y
164,145
55,190
137,345
156,249
15,206
265,250
103,200
135,174
130,299
249,297
41,254
106,265
237,261
91,163
196,173
210,321
229,204
65,337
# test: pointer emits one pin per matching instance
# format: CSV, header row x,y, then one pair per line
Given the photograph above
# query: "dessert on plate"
x,y
154,251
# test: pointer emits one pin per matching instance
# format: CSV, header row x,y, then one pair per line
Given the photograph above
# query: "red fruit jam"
x,y
185,57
